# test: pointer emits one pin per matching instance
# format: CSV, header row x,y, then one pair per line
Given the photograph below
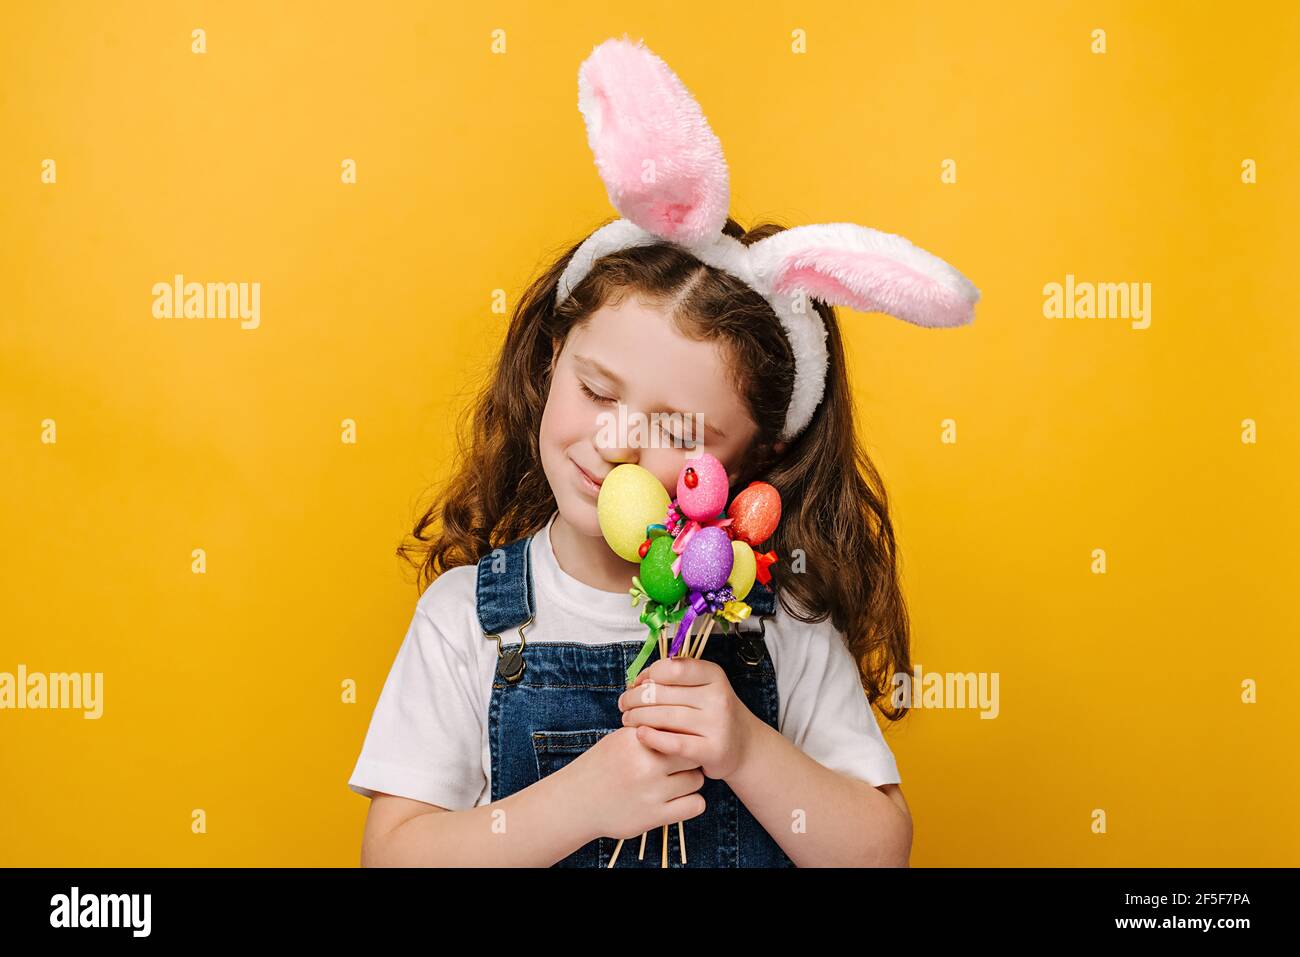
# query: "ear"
x,y
843,264
661,163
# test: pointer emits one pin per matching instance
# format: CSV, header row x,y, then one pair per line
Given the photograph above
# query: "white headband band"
x,y
665,174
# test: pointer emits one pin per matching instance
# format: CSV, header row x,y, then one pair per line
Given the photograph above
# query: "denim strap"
x,y
504,596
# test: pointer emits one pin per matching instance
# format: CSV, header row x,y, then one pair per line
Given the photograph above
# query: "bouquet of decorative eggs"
x,y
698,557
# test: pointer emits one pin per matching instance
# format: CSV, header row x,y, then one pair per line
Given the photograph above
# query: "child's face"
x,y
633,354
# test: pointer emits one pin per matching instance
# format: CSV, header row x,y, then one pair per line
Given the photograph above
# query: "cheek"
x,y
552,444
566,418
665,465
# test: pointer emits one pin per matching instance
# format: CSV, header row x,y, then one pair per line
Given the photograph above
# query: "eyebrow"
x,y
608,374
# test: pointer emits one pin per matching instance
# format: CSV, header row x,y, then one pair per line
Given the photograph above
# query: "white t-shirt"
x,y
428,736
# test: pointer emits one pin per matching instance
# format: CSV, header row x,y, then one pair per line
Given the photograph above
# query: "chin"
x,y
580,514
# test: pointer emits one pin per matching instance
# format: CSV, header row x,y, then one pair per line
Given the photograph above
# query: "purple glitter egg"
x,y
707,560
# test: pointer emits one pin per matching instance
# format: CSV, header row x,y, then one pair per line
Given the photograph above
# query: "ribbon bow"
x,y
736,611
700,603
654,617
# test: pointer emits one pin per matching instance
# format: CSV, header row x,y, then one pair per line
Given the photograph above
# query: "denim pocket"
x,y
555,749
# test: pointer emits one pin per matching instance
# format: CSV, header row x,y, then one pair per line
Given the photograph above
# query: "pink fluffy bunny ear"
x,y
661,163
844,264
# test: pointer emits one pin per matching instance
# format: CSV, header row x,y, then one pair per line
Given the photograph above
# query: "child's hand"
x,y
625,788
687,708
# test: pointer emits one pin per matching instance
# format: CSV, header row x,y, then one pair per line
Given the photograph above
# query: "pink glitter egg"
x,y
707,559
702,488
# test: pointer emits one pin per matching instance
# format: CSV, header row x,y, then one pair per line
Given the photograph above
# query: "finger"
x,y
685,781
684,746
679,671
685,807
652,693
664,716
676,764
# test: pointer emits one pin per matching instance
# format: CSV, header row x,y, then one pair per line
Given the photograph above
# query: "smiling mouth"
x,y
589,478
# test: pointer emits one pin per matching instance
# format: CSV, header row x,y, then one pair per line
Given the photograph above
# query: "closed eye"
x,y
602,399
676,436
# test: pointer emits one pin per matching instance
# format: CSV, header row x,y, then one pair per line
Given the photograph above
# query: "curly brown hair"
x,y
835,517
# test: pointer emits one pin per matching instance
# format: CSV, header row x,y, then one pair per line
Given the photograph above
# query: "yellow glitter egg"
x,y
743,569
630,499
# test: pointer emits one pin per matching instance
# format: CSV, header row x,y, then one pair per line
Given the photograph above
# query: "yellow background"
x,y
222,691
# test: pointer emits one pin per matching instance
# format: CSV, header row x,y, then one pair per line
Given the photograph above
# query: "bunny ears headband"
x,y
663,169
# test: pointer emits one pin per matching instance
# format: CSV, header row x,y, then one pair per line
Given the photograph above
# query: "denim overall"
x,y
551,701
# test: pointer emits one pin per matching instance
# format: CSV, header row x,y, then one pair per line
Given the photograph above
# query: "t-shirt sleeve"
x,y
425,735
827,713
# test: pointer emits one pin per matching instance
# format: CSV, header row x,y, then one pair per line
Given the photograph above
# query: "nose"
x,y
615,437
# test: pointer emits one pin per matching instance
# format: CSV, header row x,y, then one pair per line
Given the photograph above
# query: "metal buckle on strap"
x,y
750,646
510,664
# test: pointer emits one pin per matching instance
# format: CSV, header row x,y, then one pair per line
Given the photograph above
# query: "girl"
x,y
504,734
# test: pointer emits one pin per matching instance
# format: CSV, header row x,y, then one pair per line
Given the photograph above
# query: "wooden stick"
x,y
683,652
663,653
694,653
704,639
698,644
618,847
